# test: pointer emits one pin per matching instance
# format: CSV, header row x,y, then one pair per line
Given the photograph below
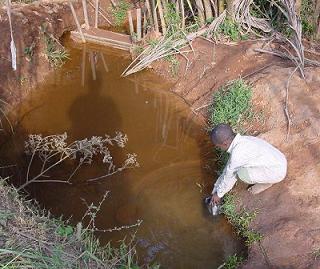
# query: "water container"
x,y
213,208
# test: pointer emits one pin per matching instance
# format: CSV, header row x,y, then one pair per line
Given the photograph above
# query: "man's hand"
x,y
215,199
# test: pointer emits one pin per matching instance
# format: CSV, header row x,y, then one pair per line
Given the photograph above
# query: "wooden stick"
x,y
85,13
215,8
93,66
155,17
104,40
104,62
83,67
149,11
101,10
200,12
113,3
190,7
208,10
96,14
163,22
139,24
182,14
131,25
77,22
144,25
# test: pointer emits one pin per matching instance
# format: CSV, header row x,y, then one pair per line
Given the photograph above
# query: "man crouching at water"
x,y
252,160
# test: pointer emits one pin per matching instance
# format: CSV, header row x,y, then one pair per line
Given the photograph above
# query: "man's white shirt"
x,y
261,161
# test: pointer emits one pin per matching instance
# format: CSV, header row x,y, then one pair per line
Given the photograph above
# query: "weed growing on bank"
x,y
229,28
119,12
57,55
31,238
174,64
231,104
241,220
307,10
316,254
232,262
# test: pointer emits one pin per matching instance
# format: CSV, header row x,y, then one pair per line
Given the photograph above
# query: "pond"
x,y
172,148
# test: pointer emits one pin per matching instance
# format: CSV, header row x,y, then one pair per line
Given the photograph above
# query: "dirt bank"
x,y
289,212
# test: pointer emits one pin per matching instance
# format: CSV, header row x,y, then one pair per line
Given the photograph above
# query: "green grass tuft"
x,y
231,105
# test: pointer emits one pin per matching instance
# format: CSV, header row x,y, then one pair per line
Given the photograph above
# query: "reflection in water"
x,y
177,232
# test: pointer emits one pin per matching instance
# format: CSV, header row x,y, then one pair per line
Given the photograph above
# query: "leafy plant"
x,y
231,29
172,19
233,262
64,230
119,12
231,105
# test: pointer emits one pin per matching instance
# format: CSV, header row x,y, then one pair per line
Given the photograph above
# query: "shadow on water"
x,y
166,191
93,111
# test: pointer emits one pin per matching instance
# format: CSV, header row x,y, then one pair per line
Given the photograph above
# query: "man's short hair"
x,y
222,133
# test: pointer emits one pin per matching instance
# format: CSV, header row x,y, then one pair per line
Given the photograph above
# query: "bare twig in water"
x,y
92,212
53,150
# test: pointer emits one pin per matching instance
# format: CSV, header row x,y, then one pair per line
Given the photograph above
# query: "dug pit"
x,y
166,191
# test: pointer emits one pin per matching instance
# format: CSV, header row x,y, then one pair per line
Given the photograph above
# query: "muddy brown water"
x,y
166,191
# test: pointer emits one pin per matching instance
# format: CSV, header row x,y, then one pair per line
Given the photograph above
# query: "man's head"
x,y
222,136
